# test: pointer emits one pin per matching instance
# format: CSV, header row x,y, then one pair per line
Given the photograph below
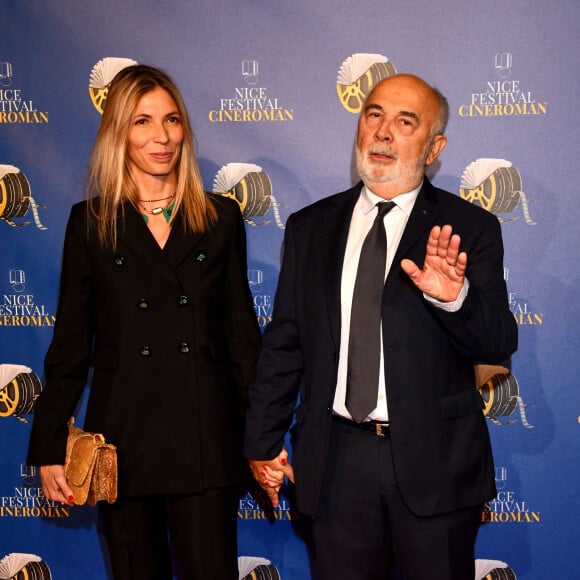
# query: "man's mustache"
x,y
382,150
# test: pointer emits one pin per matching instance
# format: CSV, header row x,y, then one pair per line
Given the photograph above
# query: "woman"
x,y
154,296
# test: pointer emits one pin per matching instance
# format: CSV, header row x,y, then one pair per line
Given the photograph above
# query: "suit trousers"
x,y
365,531
189,537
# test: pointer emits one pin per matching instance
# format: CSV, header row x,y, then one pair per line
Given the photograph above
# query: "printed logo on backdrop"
x,y
250,71
101,76
250,103
524,313
503,96
497,385
19,389
5,74
508,506
251,187
19,308
263,303
249,508
493,570
18,566
15,107
495,185
357,76
16,197
26,499
257,568
500,392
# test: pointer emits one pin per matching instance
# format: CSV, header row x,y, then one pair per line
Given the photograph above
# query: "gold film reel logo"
x,y
253,193
257,568
501,397
101,76
98,97
499,193
263,572
18,397
21,566
496,186
16,197
358,75
34,571
501,574
250,186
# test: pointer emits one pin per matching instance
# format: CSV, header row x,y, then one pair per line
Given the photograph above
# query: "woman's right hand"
x,y
54,485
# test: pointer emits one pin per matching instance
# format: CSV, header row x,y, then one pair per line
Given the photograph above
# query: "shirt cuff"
x,y
450,306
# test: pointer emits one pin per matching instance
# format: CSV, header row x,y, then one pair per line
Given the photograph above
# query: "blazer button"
x,y
145,351
143,304
183,301
119,260
184,348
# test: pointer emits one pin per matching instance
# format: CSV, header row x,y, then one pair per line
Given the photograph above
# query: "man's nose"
x,y
383,132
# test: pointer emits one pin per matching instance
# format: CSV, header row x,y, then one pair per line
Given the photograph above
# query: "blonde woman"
x,y
154,296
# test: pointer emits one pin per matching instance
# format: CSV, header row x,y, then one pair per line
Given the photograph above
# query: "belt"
x,y
376,427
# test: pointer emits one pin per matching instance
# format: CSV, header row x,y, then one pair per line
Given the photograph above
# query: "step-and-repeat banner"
x,y
274,90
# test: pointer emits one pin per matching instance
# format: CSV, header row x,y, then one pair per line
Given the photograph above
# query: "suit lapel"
x,y
335,226
139,239
181,244
422,218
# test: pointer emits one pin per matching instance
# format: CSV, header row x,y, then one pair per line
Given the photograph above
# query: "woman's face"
x,y
155,138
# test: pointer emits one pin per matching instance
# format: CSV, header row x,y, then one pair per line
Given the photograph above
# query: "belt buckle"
x,y
379,429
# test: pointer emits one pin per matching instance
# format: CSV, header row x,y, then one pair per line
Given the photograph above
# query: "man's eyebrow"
x,y
373,107
376,107
410,114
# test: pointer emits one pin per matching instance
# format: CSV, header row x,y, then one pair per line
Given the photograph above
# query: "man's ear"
x,y
439,142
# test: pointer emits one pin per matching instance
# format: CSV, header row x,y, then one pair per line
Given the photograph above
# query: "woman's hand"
x,y
54,485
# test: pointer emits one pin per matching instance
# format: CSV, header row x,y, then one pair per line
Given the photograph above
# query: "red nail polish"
x,y
71,498
263,473
283,461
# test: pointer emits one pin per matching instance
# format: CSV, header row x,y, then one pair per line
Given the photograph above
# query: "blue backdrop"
x,y
273,91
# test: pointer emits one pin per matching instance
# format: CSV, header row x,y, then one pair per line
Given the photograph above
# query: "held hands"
x,y
443,271
270,474
54,485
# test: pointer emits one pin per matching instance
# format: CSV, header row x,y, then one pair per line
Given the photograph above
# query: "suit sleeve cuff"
x,y
450,306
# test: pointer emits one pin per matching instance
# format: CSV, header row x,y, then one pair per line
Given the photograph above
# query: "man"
x,y
403,485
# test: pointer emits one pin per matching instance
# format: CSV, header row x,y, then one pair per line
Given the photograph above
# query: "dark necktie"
x,y
364,343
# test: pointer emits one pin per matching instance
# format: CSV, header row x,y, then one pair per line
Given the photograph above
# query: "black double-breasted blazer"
x,y
440,443
173,340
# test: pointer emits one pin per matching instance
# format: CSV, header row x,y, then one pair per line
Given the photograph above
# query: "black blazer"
x,y
441,448
173,340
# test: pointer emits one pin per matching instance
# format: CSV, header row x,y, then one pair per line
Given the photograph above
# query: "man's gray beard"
x,y
408,173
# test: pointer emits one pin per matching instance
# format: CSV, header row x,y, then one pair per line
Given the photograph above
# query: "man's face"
x,y
395,141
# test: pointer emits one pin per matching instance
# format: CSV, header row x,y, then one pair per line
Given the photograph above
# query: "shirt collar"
x,y
404,201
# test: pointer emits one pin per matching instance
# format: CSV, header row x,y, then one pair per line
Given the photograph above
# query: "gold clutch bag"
x,y
90,466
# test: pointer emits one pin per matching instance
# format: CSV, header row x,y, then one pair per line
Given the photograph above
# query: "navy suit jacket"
x,y
440,443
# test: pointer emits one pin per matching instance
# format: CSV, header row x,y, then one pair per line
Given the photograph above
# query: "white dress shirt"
x,y
362,219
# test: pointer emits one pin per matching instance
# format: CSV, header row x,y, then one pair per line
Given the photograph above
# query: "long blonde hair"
x,y
109,177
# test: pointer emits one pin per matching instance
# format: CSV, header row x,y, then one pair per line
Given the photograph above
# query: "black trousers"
x,y
365,531
191,537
